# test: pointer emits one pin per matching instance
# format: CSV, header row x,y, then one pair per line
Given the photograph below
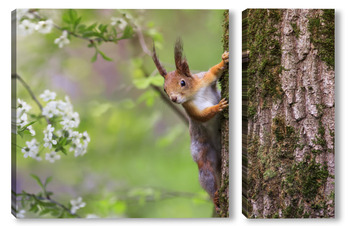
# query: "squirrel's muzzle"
x,y
174,99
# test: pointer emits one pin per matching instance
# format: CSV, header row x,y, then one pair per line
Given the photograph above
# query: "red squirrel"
x,y
199,96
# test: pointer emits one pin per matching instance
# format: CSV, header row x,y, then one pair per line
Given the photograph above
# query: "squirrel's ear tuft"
x,y
181,62
160,68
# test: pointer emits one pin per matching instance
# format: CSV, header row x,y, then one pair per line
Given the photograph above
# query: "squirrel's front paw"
x,y
222,104
225,57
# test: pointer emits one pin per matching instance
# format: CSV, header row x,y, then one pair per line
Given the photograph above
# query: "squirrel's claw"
x,y
225,57
222,104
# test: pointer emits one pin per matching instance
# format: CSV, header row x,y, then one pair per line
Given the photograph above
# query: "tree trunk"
x,y
288,113
224,82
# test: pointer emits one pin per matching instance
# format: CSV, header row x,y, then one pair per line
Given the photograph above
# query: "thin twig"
x,y
166,100
51,201
142,42
19,78
31,93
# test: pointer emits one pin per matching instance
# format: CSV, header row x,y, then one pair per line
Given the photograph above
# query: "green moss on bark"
x,y
322,30
264,57
223,192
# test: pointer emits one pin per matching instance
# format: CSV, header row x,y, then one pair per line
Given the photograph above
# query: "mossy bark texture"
x,y
289,97
224,82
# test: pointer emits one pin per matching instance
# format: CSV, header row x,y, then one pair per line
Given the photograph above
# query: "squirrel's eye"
x,y
182,83
164,91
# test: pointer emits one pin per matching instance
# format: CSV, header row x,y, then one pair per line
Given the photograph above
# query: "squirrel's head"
x,y
178,84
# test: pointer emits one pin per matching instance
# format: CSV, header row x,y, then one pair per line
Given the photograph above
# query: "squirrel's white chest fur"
x,y
205,97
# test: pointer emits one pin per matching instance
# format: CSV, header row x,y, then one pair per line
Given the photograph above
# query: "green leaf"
x,y
102,28
22,133
76,23
38,181
104,56
48,180
141,83
64,151
72,14
91,27
33,208
148,97
94,58
62,141
65,18
71,18
155,35
128,32
45,211
88,34
81,28
157,80
26,126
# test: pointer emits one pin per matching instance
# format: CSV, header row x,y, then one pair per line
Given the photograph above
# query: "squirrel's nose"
x,y
173,99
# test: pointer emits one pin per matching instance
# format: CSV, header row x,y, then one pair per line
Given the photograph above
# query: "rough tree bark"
x,y
224,82
288,146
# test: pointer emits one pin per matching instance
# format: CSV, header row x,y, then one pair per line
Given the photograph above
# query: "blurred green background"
x,y
138,162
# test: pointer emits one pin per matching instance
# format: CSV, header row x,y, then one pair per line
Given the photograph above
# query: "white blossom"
x,y
50,110
48,95
65,107
22,117
31,150
44,26
67,124
75,136
62,40
48,137
79,150
120,22
22,120
22,107
20,13
25,152
31,130
25,27
75,120
52,156
77,146
71,120
76,204
20,213
86,138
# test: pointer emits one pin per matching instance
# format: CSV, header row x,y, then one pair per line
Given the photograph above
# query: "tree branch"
x,y
48,200
31,93
19,78
142,42
166,100
91,40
